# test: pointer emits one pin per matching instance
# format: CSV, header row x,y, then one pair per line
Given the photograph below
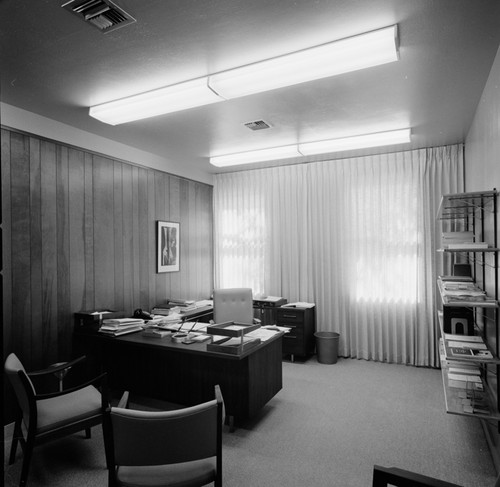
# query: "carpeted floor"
x,y
328,426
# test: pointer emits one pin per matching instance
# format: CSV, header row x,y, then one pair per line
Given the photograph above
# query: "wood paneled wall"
x,y
79,233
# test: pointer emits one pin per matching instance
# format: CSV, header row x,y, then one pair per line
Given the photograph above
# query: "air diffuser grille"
x,y
102,14
257,125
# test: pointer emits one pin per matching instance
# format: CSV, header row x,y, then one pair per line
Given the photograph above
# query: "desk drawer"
x,y
296,331
293,344
290,315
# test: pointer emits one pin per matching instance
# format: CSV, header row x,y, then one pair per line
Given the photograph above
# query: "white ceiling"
x,y
55,65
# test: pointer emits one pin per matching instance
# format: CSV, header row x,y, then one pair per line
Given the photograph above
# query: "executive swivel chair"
x,y
234,304
175,448
50,416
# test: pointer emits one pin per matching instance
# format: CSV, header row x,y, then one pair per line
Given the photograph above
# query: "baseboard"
x,y
492,445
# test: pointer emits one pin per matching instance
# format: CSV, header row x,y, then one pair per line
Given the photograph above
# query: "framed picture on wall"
x,y
168,246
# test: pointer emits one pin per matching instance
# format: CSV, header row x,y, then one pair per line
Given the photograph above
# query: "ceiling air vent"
x,y
257,125
102,14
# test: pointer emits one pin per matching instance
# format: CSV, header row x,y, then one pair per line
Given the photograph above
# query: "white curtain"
x,y
357,237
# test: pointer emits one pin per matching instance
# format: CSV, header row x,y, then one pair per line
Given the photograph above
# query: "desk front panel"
x,y
186,374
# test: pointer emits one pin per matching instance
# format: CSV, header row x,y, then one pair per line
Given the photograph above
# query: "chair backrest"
x,y
233,305
142,438
21,383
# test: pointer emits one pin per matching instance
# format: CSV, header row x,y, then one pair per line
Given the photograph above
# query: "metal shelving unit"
x,y
476,212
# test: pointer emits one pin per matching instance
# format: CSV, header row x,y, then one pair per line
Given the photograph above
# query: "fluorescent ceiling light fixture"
x,y
261,155
393,137
356,142
173,98
342,56
350,54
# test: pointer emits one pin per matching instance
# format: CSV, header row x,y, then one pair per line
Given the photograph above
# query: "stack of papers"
x,y
121,326
462,291
264,333
462,238
467,346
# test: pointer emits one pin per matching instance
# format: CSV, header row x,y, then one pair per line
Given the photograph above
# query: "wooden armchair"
x,y
182,447
50,416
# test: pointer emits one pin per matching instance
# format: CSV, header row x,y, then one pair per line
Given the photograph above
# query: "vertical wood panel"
x,y
103,233
36,251
89,293
63,255
118,234
184,218
174,214
136,238
21,301
143,270
128,239
49,250
77,264
151,241
161,279
6,243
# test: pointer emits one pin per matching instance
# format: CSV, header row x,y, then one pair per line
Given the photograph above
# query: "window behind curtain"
x,y
354,236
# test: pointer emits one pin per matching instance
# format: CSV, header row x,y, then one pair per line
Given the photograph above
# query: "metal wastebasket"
x,y
327,346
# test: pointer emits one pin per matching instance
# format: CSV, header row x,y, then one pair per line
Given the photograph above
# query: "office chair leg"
x,y
15,439
87,433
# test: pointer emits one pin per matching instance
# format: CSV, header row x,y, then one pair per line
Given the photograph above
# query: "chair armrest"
x,y
383,476
257,321
123,403
52,370
95,381
220,400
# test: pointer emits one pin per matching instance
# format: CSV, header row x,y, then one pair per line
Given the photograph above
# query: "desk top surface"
x,y
166,343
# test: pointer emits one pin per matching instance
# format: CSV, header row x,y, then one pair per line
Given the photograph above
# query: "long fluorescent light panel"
x,y
356,142
272,154
334,58
173,98
321,147
350,54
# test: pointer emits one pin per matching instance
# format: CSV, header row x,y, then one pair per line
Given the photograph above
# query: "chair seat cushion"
x,y
60,411
197,473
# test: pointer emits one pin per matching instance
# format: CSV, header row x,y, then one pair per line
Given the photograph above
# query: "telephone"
x,y
143,315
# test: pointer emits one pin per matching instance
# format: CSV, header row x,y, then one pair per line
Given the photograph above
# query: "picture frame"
x,y
167,246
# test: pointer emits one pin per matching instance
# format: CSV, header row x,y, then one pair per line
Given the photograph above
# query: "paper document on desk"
x,y
299,304
262,333
194,326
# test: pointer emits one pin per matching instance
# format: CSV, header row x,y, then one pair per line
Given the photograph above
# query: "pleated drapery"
x,y
357,237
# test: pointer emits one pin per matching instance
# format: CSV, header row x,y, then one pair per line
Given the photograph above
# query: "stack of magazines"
x,y
121,326
462,291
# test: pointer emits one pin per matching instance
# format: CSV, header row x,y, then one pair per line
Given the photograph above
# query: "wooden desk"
x,y
186,374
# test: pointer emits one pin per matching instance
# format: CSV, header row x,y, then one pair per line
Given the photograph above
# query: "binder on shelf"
x,y
458,321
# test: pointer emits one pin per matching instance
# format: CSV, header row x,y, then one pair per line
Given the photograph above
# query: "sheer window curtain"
x,y
356,236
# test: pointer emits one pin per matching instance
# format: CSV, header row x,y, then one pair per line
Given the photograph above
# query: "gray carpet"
x,y
327,427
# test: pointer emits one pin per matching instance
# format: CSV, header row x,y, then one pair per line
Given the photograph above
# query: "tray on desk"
x,y
231,329
237,342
